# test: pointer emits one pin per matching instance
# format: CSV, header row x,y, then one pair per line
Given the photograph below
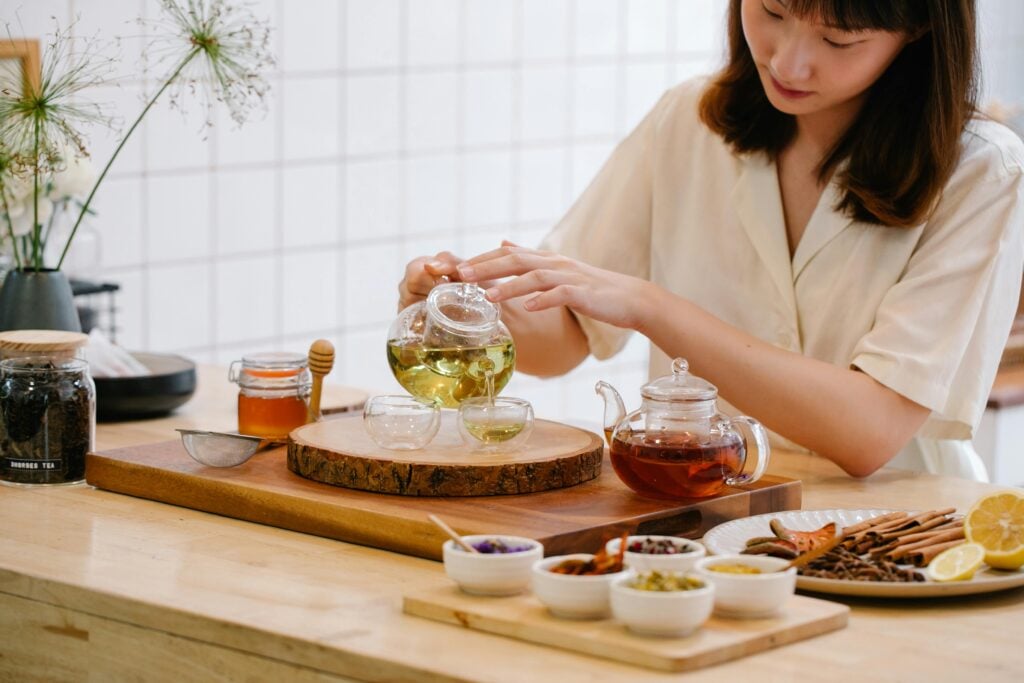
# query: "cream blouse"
x,y
926,311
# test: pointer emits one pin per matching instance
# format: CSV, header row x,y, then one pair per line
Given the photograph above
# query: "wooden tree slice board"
x,y
720,639
341,453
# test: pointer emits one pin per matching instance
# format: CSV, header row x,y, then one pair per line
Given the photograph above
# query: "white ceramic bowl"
x,y
491,573
683,561
749,595
661,613
573,597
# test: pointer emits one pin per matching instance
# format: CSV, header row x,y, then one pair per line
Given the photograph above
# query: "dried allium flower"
x,y
37,124
217,50
210,47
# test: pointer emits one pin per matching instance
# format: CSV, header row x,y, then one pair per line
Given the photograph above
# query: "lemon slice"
x,y
997,523
957,563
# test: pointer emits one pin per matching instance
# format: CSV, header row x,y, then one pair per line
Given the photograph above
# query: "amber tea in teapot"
x,y
677,465
677,444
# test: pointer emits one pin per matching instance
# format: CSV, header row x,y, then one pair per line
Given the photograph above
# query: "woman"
x,y
826,230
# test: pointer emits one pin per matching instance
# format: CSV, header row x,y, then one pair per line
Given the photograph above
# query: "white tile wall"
x,y
396,128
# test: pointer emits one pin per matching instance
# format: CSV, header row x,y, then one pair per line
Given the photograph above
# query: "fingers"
x,y
421,274
442,265
508,261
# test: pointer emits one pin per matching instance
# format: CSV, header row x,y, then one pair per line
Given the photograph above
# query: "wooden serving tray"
x,y
340,452
720,639
579,518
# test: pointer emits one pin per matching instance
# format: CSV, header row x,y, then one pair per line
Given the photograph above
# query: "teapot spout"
x,y
614,409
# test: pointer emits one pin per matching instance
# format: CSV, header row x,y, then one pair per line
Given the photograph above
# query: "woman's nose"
x,y
792,62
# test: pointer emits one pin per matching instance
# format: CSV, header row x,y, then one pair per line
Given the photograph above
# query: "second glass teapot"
x,y
677,444
451,346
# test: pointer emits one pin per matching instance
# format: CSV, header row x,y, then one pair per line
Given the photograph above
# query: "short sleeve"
x,y
609,226
939,333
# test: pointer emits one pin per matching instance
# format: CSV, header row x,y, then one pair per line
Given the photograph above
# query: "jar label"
x,y
16,464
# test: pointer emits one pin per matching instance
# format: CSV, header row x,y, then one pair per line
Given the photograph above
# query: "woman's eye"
x,y
834,44
769,12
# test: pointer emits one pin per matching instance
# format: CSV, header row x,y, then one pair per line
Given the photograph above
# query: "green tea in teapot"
x,y
451,375
678,465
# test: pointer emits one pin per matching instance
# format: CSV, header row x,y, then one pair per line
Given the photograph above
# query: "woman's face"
x,y
809,68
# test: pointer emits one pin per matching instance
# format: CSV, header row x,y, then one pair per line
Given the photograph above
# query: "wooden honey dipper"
x,y
321,360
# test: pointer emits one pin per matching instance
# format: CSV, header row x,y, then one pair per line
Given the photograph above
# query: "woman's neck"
x,y
819,132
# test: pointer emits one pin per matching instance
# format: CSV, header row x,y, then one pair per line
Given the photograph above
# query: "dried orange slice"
x,y
957,563
997,523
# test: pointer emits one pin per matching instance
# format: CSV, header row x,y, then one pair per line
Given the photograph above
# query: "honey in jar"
x,y
273,391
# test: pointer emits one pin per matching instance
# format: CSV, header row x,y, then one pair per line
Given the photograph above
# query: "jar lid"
x,y
268,365
42,341
679,386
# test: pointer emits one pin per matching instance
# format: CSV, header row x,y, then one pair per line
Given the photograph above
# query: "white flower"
x,y
74,178
17,189
21,215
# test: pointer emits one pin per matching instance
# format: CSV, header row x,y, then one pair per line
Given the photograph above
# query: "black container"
x,y
47,420
171,384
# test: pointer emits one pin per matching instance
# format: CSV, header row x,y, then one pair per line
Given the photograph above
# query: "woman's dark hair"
x,y
905,142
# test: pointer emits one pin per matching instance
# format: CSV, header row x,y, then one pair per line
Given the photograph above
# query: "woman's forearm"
x,y
840,413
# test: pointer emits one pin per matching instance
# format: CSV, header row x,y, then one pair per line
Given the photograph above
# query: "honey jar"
x,y
273,392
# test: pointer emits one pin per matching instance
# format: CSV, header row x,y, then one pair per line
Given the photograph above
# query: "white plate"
x,y
731,537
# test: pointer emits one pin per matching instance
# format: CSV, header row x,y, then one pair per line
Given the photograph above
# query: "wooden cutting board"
x,y
720,639
579,518
340,452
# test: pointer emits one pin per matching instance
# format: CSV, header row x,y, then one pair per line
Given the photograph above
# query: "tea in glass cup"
x,y
498,424
401,423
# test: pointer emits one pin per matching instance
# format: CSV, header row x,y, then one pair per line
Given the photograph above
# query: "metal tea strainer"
x,y
223,449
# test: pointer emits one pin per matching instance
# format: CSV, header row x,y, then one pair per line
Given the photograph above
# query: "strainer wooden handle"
x,y
321,361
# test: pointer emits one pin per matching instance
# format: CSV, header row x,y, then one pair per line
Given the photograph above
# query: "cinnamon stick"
x,y
873,522
915,537
902,551
923,526
922,557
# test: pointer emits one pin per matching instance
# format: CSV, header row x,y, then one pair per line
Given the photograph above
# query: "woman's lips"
x,y
786,92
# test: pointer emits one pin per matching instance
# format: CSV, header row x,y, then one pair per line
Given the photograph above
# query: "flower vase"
x,y
37,300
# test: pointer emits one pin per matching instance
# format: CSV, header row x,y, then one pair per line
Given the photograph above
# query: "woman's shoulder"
x,y
990,151
680,104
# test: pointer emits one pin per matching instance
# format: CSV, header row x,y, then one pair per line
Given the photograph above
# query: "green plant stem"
x,y
85,207
35,201
10,226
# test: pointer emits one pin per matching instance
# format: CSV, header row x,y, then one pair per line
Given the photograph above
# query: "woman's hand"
x,y
422,273
550,280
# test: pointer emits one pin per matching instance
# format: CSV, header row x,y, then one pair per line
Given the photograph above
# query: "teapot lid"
x,y
462,307
679,386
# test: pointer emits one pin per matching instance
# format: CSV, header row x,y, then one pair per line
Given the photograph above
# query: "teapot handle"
x,y
763,452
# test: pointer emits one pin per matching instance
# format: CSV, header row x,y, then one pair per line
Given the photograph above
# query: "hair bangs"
x,y
897,16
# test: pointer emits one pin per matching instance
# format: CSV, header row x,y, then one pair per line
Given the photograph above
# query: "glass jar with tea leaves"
x,y
47,408
452,346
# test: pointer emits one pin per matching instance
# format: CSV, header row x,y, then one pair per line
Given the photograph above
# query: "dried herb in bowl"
x,y
496,546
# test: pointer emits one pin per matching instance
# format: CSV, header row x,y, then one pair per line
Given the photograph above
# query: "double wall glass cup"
x,y
401,423
503,424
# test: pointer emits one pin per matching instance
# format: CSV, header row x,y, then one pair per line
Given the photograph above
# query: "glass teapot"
x,y
677,444
452,346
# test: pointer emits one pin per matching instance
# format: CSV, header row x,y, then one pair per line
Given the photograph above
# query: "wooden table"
x,y
100,586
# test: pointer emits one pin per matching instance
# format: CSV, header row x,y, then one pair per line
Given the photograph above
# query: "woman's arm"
x,y
548,343
842,414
